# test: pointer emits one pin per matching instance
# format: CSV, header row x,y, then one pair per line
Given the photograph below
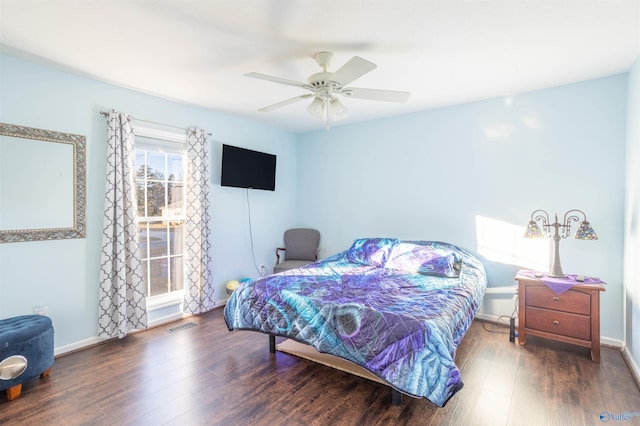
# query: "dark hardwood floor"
x,y
205,375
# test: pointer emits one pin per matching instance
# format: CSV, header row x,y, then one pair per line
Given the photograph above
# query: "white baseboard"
x,y
165,319
76,346
92,341
615,343
497,305
633,366
500,319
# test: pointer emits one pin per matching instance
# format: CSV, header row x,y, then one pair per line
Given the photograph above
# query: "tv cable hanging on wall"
x,y
261,271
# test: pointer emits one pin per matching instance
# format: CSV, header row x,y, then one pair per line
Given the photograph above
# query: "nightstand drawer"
x,y
570,301
561,323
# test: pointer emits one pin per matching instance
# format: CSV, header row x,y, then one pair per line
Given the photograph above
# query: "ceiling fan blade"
x,y
356,67
277,79
287,102
376,95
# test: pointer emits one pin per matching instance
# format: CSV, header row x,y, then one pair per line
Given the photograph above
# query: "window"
x,y
160,191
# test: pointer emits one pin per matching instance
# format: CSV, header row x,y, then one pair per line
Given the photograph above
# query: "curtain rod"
x,y
105,113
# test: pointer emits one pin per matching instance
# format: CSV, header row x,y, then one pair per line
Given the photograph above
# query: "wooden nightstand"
x,y
572,317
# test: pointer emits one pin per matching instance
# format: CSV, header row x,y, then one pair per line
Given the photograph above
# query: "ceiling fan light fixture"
x,y
316,109
325,87
337,110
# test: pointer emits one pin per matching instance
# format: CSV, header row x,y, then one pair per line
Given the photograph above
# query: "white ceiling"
x,y
444,52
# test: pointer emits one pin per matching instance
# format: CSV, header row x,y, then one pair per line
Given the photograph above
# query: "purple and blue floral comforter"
x,y
397,308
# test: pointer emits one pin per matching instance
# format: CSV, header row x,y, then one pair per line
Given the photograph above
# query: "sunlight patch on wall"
x,y
498,131
532,122
504,242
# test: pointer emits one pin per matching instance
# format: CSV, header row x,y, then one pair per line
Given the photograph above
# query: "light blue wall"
x,y
63,275
430,175
632,220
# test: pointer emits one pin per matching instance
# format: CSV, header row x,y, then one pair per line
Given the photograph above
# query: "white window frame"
x,y
163,141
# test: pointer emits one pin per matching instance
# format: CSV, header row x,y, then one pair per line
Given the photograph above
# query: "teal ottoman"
x,y
26,351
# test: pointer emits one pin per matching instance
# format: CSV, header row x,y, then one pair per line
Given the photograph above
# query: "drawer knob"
x,y
556,322
556,298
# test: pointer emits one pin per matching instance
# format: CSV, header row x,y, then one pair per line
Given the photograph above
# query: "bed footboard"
x,y
396,396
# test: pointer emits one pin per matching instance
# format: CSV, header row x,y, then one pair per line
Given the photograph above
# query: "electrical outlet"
x,y
263,270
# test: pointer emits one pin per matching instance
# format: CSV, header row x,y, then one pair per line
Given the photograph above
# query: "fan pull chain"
x,y
326,111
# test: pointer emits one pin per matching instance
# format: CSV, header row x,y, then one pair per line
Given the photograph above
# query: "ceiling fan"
x,y
325,87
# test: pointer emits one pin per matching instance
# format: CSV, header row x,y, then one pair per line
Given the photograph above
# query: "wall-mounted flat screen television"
x,y
244,168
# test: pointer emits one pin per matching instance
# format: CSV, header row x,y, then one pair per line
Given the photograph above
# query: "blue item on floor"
x,y
27,339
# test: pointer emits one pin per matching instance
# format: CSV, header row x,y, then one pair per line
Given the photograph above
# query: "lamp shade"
x,y
316,109
337,109
585,232
327,109
533,231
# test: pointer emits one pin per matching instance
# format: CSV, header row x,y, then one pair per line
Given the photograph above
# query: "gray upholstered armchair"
x,y
300,248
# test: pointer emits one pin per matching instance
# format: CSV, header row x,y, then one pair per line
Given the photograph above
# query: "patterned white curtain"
x,y
199,284
122,304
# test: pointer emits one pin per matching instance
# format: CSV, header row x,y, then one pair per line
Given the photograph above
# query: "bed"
x,y
398,309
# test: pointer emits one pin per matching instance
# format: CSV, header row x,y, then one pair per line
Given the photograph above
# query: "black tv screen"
x,y
244,168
